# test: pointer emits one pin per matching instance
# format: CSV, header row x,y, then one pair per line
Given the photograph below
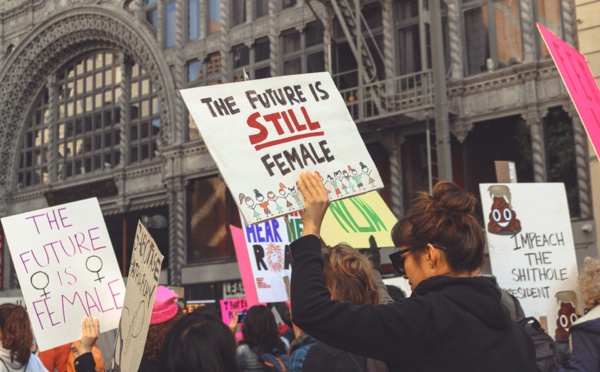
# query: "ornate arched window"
x,y
76,124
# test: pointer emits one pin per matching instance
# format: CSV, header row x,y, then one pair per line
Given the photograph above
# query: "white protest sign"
x,y
262,134
531,247
270,262
67,270
144,272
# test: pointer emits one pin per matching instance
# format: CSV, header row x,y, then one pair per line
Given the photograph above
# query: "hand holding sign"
x,y
316,200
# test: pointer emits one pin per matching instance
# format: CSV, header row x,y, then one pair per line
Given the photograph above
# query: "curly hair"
x,y
16,332
589,282
348,275
156,336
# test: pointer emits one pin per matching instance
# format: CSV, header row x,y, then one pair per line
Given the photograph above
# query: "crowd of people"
x,y
342,316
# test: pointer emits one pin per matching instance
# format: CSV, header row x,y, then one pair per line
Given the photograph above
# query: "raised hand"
x,y
316,202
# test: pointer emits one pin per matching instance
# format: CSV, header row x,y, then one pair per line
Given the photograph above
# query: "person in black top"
x,y
454,320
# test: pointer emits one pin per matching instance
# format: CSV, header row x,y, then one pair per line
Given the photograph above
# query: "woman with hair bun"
x,y
17,341
454,320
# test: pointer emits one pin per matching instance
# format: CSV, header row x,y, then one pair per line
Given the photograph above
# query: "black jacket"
x,y
449,324
325,358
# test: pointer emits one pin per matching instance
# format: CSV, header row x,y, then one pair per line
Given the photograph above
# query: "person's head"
x,y
589,282
165,313
439,236
199,343
16,332
260,330
349,276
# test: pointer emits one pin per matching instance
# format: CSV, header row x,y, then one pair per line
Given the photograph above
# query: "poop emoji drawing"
x,y
503,219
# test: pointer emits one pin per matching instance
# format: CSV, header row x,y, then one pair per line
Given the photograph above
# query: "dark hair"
x,y
156,336
260,331
349,275
446,217
16,332
199,343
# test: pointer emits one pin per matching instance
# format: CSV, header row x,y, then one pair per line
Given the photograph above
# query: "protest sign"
x,y
579,80
231,308
531,248
262,134
267,246
67,270
244,265
142,282
355,219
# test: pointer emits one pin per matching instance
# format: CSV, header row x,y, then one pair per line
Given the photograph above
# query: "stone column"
x,y
125,63
538,149
179,128
224,41
50,120
455,40
273,38
581,158
177,229
528,32
568,9
393,145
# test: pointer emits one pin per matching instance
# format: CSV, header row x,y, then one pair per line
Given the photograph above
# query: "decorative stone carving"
x,y
58,40
460,128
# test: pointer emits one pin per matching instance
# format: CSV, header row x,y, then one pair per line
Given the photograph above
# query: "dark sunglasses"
x,y
398,260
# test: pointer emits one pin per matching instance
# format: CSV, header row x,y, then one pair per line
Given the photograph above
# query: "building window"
x,y
170,25
493,35
211,211
238,12
548,13
88,121
261,8
303,52
409,42
288,4
202,72
254,61
152,13
193,19
194,70
214,16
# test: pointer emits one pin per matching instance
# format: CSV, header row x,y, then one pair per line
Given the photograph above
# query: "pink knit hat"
x,y
165,305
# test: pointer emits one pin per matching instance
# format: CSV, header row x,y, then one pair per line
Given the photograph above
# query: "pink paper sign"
x,y
580,82
241,251
232,307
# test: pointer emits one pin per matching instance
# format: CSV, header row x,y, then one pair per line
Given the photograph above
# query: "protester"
x,y
199,343
17,341
348,276
260,337
57,358
298,350
585,332
90,330
395,292
165,313
452,322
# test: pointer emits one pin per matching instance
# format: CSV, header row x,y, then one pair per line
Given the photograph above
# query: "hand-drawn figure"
x,y
357,177
284,195
348,179
250,204
275,257
272,197
130,327
262,203
335,185
41,282
338,177
294,192
567,313
94,264
324,183
503,219
366,171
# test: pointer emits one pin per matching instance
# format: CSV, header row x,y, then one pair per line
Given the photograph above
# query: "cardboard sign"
x,y
532,250
268,263
67,270
144,272
232,307
262,134
353,220
579,80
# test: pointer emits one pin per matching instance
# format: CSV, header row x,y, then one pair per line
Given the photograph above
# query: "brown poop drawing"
x,y
503,219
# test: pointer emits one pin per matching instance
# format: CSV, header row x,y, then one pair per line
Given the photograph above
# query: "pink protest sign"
x,y
232,307
241,251
580,82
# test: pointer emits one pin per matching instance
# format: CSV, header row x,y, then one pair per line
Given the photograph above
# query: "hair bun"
x,y
448,196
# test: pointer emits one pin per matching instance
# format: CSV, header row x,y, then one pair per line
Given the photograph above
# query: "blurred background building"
x,y
440,89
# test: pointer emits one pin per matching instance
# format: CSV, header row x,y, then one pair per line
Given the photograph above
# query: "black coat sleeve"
x,y
85,363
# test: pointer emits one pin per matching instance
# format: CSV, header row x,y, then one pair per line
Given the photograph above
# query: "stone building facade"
x,y
89,103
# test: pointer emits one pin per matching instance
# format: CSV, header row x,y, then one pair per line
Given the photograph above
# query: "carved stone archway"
x,y
54,43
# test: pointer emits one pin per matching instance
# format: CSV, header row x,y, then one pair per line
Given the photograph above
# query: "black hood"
x,y
476,295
